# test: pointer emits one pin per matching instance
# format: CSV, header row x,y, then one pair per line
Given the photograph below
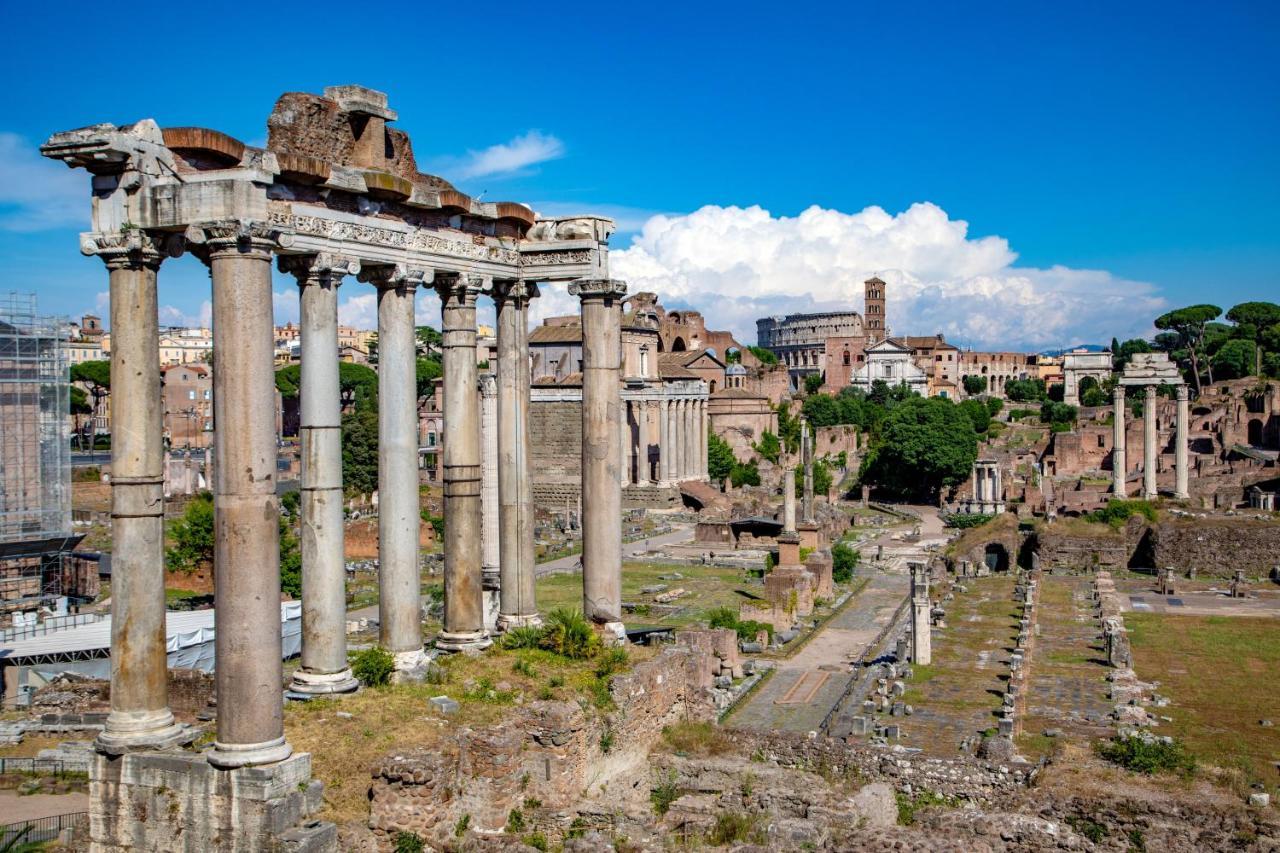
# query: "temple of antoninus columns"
x,y
335,197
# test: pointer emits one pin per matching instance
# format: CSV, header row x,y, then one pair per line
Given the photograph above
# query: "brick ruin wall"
x,y
1217,547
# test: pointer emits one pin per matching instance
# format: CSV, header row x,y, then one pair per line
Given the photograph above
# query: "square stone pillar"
x,y
1119,473
246,510
463,596
1150,452
601,489
1180,489
140,717
399,576
517,604
324,666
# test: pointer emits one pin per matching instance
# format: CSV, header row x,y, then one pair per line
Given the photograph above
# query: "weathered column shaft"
x,y
324,666
399,577
1180,489
921,638
687,473
1149,451
463,596
601,492
140,715
702,444
788,500
490,537
806,452
1119,473
515,484
664,440
624,441
246,511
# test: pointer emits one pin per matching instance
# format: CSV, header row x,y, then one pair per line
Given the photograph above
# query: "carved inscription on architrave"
x,y
413,240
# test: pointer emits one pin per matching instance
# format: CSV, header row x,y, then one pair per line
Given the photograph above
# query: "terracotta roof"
x,y
738,394
556,335
927,342
671,365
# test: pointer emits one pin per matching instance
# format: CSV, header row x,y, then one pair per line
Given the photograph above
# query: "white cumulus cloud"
x,y
521,152
36,193
739,264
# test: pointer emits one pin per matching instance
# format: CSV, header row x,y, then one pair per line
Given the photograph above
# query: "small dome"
x,y
735,370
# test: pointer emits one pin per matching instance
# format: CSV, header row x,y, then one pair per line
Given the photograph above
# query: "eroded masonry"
x,y
335,195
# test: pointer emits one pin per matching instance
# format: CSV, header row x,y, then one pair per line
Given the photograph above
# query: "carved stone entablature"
x,y
324,267
395,275
235,235
105,149
133,246
598,288
596,228
403,237
1151,368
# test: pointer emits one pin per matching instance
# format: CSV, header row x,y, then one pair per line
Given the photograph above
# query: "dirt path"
x,y
14,808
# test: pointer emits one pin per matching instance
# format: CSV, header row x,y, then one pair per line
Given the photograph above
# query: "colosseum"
x,y
800,340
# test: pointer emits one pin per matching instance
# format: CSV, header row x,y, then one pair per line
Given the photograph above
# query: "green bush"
x,y
408,842
664,793
725,617
568,633
523,637
963,521
1148,755
373,666
1117,512
734,826
843,562
768,446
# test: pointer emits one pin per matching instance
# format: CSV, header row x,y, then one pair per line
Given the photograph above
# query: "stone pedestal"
x,y
179,803
789,549
810,535
820,565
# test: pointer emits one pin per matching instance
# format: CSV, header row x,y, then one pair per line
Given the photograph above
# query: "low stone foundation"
x,y
177,801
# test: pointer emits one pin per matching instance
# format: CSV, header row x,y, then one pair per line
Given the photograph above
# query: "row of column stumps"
x,y
250,723
1119,463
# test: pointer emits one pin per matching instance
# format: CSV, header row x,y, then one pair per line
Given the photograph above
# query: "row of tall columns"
x,y
682,437
1150,450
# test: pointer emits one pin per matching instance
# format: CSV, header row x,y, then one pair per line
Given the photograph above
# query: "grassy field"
x,y
1223,675
708,587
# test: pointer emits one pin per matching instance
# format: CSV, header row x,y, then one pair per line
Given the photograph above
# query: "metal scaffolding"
x,y
35,455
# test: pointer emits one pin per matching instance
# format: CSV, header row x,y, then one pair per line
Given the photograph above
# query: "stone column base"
x,y
323,683
141,731
507,621
463,641
233,755
177,801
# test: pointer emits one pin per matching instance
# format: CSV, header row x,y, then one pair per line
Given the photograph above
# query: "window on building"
x,y
846,358
191,395
431,438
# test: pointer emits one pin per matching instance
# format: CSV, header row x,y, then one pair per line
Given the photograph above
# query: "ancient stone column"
x,y
140,717
690,440
324,666
921,640
666,441
246,511
490,559
517,604
1149,450
1118,462
653,416
601,493
788,500
702,447
399,576
624,442
463,605
1180,489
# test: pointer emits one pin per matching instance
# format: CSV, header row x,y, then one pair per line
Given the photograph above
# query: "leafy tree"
x,y
974,385
290,560
994,405
765,356
769,447
1189,325
429,339
976,412
844,560
1236,359
733,356
429,370
1058,415
289,381
97,375
925,445
822,478
720,458
788,428
357,384
812,383
360,451
1025,390
1094,396
1057,392
79,404
744,474
1258,322
192,536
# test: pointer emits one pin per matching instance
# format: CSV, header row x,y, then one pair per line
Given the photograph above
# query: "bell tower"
x,y
874,312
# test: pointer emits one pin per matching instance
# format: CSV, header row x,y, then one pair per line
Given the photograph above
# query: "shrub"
x,y
963,521
734,826
568,633
610,661
1087,827
724,617
460,828
1148,755
408,842
515,821
523,637
537,841
373,666
1117,512
843,562
664,793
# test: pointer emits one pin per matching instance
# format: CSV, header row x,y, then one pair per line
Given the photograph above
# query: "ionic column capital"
x,y
514,290
394,276
321,268
598,288
460,289
236,237
133,248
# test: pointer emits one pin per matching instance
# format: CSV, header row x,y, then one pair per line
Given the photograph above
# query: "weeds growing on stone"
x,y
701,739
731,827
664,793
1148,755
408,842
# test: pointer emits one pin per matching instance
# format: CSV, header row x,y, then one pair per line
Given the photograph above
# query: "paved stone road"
x,y
847,634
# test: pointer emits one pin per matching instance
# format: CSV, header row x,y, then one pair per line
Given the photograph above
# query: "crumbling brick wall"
x,y
1217,546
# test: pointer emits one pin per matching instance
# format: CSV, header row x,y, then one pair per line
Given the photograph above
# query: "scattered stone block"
x,y
444,704
1260,800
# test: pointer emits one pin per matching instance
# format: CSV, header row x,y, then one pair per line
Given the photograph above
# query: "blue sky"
x,y
1108,162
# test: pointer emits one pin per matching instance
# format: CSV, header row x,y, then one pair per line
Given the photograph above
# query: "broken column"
x,y
517,604
250,728
140,717
1118,472
399,579
1150,453
601,486
1180,490
324,666
921,641
463,604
